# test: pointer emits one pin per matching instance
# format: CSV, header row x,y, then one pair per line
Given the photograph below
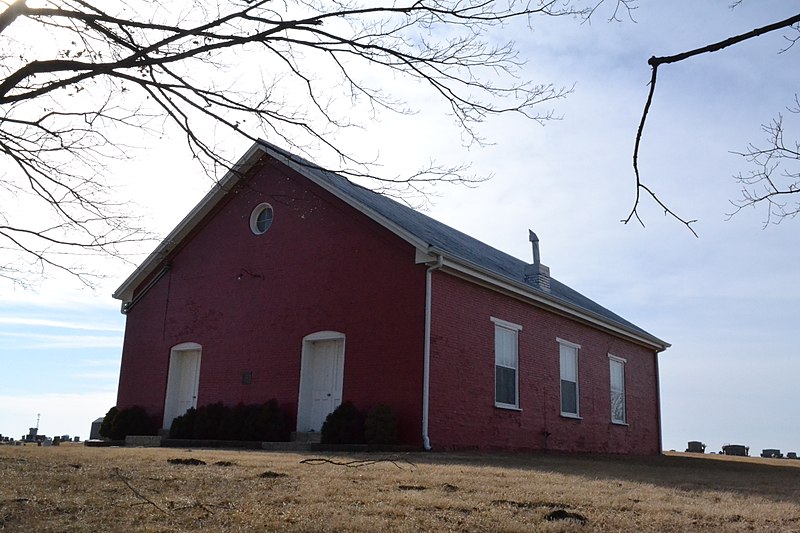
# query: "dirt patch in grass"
x,y
525,505
412,487
269,474
191,461
562,514
124,489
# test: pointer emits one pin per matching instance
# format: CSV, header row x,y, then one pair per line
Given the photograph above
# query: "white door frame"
x,y
304,398
171,400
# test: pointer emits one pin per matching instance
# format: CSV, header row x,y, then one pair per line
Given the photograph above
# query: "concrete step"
x,y
312,437
288,446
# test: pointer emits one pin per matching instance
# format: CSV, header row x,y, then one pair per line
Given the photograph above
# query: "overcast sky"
x,y
726,301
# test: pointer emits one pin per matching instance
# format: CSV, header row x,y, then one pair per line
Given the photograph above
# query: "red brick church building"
x,y
290,282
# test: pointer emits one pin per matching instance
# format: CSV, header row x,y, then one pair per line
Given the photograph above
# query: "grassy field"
x,y
74,488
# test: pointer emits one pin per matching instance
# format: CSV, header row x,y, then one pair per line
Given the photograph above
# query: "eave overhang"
x,y
470,271
125,292
450,263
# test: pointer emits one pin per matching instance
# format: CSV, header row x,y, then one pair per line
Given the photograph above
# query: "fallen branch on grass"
x,y
358,463
269,474
137,493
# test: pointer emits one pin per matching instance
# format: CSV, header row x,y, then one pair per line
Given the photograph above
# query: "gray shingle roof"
x,y
455,243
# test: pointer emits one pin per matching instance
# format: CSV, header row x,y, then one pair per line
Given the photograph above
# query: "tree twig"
x,y
137,492
654,63
358,463
137,68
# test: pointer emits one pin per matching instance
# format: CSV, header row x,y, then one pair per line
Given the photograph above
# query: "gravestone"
x,y
94,432
736,449
695,446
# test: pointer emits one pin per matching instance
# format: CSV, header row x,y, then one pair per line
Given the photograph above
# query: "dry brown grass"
x,y
73,488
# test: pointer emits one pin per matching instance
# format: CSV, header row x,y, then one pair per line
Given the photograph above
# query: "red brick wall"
x,y
462,410
249,301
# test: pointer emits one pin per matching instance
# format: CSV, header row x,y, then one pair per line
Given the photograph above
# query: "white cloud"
x,y
38,341
722,300
112,377
54,323
94,363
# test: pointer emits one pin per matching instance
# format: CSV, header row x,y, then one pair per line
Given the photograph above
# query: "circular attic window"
x,y
261,219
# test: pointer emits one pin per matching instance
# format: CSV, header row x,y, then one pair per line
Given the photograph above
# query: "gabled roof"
x,y
459,252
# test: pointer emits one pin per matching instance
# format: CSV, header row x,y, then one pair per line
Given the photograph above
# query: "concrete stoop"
x,y
314,437
143,441
300,442
288,446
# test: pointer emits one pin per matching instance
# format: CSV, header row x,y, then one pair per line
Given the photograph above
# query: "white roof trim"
x,y
209,201
247,161
466,269
456,264
382,220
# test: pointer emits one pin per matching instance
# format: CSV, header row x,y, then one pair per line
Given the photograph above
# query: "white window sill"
x,y
506,406
619,423
571,415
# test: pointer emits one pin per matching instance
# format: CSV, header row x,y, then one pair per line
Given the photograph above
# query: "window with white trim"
x,y
568,355
261,218
506,363
617,369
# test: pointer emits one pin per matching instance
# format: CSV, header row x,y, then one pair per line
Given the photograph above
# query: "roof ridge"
x,y
454,242
421,230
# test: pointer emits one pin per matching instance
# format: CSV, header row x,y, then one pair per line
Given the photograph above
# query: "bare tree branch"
x,y
11,13
775,180
137,492
78,79
358,463
656,62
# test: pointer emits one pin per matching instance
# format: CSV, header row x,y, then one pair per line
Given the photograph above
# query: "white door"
x,y
182,383
322,374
